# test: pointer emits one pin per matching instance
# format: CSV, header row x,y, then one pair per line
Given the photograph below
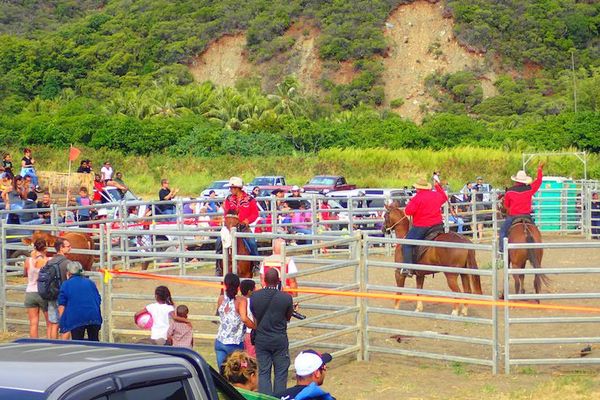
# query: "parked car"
x,y
220,188
75,370
327,183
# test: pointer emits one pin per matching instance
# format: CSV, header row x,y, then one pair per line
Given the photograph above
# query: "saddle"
x,y
521,219
431,234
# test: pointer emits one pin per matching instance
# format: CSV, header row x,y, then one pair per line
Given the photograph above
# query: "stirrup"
x,y
406,272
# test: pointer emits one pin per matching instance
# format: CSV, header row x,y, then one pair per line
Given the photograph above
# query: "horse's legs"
x,y
420,281
400,283
466,282
453,285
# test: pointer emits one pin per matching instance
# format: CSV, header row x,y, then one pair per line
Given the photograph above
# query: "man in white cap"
x,y
517,200
310,369
295,198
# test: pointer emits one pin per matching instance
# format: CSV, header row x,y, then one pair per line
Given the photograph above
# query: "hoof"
x,y
455,312
419,307
464,311
397,305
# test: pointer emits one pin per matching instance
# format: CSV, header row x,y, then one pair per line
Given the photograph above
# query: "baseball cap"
x,y
309,361
295,188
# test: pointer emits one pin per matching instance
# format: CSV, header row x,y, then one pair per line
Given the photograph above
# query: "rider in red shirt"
x,y
426,211
245,207
517,200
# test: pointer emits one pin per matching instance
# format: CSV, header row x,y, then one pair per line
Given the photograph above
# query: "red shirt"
x,y
426,207
98,187
518,202
245,206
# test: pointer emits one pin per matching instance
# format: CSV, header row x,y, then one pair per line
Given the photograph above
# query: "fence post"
x,y
446,217
107,289
3,257
563,209
364,305
181,254
273,212
586,218
313,220
350,215
54,216
234,268
474,227
494,196
506,309
495,327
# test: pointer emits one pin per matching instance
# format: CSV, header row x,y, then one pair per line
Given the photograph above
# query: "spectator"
x,y
106,172
293,200
83,200
84,167
165,194
161,311
272,309
119,179
7,165
27,186
12,199
300,219
275,261
33,301
31,217
326,215
62,247
181,334
247,287
279,198
79,305
240,369
28,168
454,216
311,368
233,315
212,206
46,202
98,188
595,206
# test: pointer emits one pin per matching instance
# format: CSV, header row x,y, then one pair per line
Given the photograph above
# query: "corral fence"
x,y
347,253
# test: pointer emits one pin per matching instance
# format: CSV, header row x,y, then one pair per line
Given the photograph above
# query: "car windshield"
x,y
262,181
117,195
218,185
322,180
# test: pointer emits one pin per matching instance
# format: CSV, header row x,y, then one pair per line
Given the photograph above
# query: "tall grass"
x,y
365,167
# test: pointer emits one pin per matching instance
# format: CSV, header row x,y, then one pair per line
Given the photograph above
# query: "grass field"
x,y
364,167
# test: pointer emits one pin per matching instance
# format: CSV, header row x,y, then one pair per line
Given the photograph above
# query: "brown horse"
x,y
78,240
396,220
526,232
244,267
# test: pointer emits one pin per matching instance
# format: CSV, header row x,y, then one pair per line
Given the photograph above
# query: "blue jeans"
x,y
304,231
223,350
277,358
29,171
459,223
504,232
416,233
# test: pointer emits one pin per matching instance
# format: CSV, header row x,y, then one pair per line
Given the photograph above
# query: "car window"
x,y
322,180
165,391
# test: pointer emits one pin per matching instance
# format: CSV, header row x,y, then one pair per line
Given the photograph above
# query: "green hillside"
x,y
113,74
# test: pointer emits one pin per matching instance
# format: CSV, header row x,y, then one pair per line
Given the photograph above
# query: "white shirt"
x,y
106,173
291,265
160,319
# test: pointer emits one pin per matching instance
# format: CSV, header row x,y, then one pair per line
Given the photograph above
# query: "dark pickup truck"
x,y
35,369
327,183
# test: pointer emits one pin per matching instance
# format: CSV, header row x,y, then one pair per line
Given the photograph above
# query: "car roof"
x,y
36,367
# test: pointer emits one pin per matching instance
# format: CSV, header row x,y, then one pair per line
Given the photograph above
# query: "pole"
x,y
69,177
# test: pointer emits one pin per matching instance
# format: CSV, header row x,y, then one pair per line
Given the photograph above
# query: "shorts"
x,y
53,311
34,300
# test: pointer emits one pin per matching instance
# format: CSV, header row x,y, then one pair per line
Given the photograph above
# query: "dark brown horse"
x,y
396,220
524,231
244,267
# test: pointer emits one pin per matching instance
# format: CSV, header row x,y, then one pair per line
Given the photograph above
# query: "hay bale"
x,y
57,183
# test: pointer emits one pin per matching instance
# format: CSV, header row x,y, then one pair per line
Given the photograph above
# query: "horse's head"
x,y
395,219
49,238
231,220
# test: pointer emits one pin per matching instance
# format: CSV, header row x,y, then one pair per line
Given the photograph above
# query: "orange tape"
x,y
403,297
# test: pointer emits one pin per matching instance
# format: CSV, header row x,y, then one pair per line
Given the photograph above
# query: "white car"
x,y
220,187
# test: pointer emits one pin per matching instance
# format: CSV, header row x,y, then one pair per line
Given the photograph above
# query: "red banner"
x,y
74,152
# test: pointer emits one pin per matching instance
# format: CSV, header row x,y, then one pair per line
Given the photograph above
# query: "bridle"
x,y
387,230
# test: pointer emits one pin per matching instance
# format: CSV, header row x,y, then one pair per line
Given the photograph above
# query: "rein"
x,y
395,223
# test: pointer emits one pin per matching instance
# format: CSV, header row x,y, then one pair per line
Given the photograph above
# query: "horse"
x,y
78,240
395,219
244,267
524,231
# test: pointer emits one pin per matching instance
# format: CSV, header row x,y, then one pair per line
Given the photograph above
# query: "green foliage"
x,y
396,103
456,92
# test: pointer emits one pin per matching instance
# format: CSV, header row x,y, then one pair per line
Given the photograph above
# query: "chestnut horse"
x,y
396,220
244,267
524,231
78,240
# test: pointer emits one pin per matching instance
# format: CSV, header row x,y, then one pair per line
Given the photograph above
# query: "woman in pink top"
x,y
33,301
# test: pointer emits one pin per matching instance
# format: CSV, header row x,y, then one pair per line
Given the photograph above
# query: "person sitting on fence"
x,y
518,199
276,261
301,219
46,203
84,167
454,216
12,199
83,200
181,334
31,217
165,194
6,168
28,168
426,211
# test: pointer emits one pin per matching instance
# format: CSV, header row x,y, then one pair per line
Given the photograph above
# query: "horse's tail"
x,y
536,262
475,279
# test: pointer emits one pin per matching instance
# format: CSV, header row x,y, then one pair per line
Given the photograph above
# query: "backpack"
x,y
49,281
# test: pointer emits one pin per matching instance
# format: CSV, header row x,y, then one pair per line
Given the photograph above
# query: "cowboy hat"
x,y
235,181
521,177
422,184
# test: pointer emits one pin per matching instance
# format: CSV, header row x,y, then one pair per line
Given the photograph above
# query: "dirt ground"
x,y
391,376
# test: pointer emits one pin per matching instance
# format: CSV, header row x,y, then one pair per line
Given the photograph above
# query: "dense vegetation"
x,y
112,74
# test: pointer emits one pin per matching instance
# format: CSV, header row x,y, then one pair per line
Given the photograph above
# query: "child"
x,y
7,165
161,312
83,200
180,334
247,287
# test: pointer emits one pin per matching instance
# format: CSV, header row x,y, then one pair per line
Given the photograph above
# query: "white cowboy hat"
x,y
235,181
295,188
521,177
422,184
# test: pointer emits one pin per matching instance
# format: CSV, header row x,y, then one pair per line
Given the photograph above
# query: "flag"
x,y
74,152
